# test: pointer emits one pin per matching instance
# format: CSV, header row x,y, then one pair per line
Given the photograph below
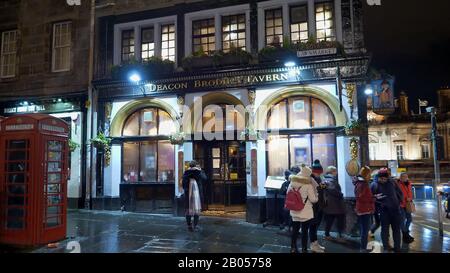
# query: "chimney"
x,y
403,104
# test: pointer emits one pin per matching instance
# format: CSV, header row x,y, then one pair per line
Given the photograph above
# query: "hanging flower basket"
x,y
354,128
73,145
103,143
177,138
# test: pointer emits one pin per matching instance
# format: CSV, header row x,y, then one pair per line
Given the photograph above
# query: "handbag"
x,y
410,207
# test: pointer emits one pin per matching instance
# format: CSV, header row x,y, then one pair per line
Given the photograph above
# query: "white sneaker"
x,y
321,247
315,247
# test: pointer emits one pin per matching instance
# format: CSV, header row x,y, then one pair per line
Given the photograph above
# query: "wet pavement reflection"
x,y
122,232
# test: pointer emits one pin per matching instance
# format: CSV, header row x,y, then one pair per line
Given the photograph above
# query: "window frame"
x,y
54,48
122,45
201,36
295,133
12,53
305,5
168,41
238,31
333,19
142,43
273,10
400,152
427,152
139,139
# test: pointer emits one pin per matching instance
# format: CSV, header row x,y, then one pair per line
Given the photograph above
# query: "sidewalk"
x,y
122,232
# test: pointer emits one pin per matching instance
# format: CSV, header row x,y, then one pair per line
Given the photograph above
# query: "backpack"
x,y
294,200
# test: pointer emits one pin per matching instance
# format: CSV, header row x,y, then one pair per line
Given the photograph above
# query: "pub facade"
x,y
275,83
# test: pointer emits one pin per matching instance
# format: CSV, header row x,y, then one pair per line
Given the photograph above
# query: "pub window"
x,y
274,27
147,154
299,24
325,22
62,38
203,36
233,32
8,54
298,141
127,45
168,42
147,43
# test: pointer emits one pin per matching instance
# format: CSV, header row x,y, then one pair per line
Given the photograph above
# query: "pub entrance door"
x,y
225,166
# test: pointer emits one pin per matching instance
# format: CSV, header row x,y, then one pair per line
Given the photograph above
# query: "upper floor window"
x,y
299,24
62,37
425,151
233,32
168,42
274,27
400,154
8,54
127,45
203,36
147,43
325,22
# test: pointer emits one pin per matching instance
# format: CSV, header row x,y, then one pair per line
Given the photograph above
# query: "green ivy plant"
x,y
73,145
102,142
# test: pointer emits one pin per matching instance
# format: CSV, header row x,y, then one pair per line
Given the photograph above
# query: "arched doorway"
x,y
221,154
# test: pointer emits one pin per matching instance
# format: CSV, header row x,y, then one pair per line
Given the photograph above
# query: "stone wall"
x,y
34,21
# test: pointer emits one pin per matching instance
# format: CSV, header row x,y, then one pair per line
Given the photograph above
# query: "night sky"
x,y
410,39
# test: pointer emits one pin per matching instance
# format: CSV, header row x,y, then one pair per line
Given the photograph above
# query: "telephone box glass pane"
x,y
54,221
54,200
16,200
16,155
16,167
17,144
53,211
55,146
15,223
16,212
16,178
17,189
53,188
54,156
54,178
54,167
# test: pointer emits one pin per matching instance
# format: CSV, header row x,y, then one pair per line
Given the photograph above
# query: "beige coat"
x,y
307,190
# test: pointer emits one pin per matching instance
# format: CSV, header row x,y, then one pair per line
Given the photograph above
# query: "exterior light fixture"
x,y
135,78
59,100
369,90
289,64
25,103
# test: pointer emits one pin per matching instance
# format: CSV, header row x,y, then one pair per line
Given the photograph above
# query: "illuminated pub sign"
x,y
42,108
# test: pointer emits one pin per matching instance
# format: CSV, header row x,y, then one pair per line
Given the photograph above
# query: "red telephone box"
x,y
33,179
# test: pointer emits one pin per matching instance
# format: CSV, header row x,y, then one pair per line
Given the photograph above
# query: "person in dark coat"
x,y
389,196
285,216
193,180
334,203
317,171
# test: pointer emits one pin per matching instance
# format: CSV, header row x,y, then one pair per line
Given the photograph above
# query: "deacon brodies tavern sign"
x,y
353,68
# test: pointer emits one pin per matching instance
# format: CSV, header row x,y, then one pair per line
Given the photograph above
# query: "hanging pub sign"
x,y
383,97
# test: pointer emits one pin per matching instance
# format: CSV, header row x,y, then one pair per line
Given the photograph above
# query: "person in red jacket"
x,y
365,204
405,185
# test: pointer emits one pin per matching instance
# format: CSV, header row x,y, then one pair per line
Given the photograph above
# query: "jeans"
x,y
391,218
405,221
329,220
376,222
314,225
189,222
364,225
306,229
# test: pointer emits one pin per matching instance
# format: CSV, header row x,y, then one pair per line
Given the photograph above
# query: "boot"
x,y
315,247
294,248
406,238
410,237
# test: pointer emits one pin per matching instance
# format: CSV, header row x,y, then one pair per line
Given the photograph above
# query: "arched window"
x,y
307,131
148,156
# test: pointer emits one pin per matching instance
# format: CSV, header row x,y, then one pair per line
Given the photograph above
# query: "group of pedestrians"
x,y
389,202
383,202
321,197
